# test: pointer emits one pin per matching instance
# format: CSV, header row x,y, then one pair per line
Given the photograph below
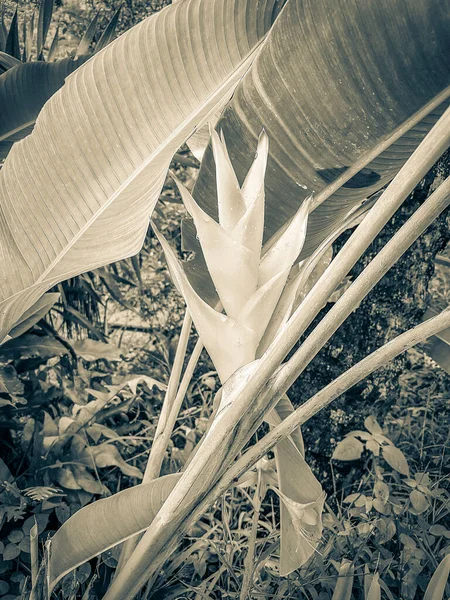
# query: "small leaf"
x,y
107,455
16,536
5,473
9,381
381,506
438,530
436,588
381,490
373,447
86,481
396,459
66,479
419,501
11,552
372,425
349,448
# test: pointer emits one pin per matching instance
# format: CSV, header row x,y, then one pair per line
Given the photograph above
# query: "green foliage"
x,y
78,440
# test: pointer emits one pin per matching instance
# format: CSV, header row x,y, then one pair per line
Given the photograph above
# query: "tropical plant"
x,y
110,134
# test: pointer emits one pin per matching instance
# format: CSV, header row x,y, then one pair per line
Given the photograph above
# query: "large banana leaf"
x,y
77,193
24,89
340,86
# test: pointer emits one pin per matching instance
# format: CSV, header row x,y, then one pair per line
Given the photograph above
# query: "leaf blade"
x,y
105,523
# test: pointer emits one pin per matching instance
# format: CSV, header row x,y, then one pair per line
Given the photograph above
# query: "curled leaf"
x,y
107,455
306,519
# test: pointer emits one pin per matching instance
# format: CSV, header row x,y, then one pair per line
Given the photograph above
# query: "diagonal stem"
x,y
213,457
164,428
333,390
301,415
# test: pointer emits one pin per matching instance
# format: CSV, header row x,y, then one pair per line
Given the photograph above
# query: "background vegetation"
x,y
115,334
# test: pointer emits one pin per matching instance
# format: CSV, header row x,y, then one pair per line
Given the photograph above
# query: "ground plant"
x,y
306,118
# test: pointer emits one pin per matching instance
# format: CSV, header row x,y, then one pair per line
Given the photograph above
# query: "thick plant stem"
x,y
378,267
406,236
311,407
301,415
163,429
209,463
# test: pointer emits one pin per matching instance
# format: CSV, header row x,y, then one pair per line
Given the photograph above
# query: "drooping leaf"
x,y
107,455
94,350
109,134
34,314
303,528
333,107
105,523
436,588
24,89
438,346
298,486
282,410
